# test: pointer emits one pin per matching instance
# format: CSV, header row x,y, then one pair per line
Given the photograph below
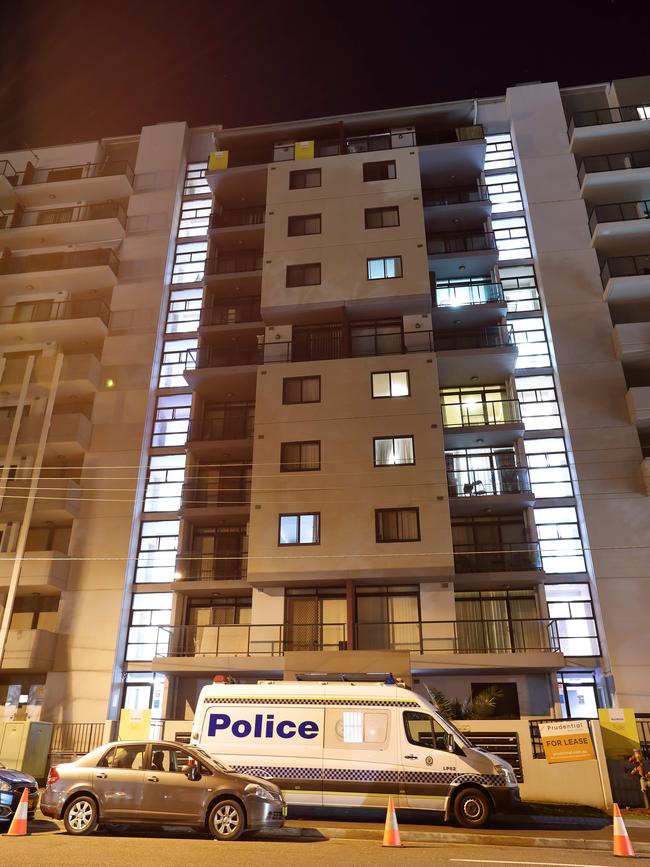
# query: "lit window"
x,y
644,112
156,562
548,467
393,451
511,236
386,268
195,182
195,218
189,262
570,606
538,402
393,383
520,288
498,152
504,193
177,357
172,420
559,540
184,310
530,338
302,529
149,612
164,483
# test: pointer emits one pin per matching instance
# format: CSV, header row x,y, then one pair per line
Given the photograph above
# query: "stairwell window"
x,y
386,268
304,224
394,451
303,275
301,529
380,170
381,218
397,525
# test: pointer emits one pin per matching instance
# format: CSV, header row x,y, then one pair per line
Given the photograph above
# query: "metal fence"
x,y
70,740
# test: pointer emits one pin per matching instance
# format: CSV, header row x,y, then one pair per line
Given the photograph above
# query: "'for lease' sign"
x,y
567,741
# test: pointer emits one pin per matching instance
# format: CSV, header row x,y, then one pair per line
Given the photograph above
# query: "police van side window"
x,y
355,729
423,731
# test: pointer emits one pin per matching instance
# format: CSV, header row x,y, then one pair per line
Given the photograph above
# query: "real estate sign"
x,y
567,741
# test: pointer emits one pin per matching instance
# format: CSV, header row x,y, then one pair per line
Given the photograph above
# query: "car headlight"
x,y
507,773
5,787
259,792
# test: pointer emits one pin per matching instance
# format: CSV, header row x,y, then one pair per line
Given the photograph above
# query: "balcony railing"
x,y
8,171
468,294
248,640
237,263
228,563
454,196
75,214
231,312
232,426
72,173
618,212
238,217
51,311
330,346
482,338
625,266
473,414
452,242
214,356
500,557
232,491
613,163
488,482
615,114
59,261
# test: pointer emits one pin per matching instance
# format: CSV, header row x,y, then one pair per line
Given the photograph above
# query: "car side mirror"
x,y
193,773
451,743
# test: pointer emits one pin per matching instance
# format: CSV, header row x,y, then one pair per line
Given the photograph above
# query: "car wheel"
x,y
227,820
472,808
80,816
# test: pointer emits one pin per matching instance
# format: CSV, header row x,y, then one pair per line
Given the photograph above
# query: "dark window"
x,y
300,456
301,389
382,218
304,178
398,525
301,529
391,383
382,170
304,224
507,704
386,268
303,275
394,451
423,731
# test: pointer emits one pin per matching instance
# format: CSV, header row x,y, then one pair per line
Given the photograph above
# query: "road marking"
x,y
537,863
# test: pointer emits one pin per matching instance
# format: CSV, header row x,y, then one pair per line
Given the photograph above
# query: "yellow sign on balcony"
x,y
217,160
304,150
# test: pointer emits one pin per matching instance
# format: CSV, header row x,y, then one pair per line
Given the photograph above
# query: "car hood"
x,y
17,778
259,781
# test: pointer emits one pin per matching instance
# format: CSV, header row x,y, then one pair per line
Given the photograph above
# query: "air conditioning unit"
x,y
283,151
402,137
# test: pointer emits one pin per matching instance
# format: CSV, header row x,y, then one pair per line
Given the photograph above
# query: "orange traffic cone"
x,y
622,842
18,827
391,831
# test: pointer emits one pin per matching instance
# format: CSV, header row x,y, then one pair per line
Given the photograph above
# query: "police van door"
x,y
427,766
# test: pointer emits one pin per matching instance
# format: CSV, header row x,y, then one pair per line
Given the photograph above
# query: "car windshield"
x,y
211,759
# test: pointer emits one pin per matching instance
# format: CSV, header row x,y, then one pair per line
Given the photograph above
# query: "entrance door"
x,y
428,768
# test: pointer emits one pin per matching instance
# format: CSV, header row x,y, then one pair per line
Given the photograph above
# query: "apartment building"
x,y
335,394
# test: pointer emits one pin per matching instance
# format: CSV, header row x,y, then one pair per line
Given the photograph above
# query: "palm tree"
x,y
481,706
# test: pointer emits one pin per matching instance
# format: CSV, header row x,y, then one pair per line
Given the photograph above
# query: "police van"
x,y
352,745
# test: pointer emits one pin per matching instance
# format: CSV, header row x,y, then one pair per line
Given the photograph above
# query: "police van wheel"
x,y
472,808
227,820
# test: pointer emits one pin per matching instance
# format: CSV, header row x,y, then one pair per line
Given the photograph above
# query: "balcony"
x,y
325,344
469,304
622,176
8,180
632,344
499,557
485,355
57,500
238,364
621,228
475,253
638,405
41,571
489,423
623,125
457,208
88,183
68,437
78,224
230,313
29,650
626,279
80,375
229,436
502,490
238,226
82,269
64,322
229,270
203,502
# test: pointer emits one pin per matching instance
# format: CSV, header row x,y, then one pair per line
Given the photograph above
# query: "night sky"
x,y
74,70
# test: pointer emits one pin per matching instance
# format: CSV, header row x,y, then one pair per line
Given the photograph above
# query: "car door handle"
x,y
101,776
153,780
410,756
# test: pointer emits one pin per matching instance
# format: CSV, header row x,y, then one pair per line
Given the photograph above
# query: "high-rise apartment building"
x,y
306,394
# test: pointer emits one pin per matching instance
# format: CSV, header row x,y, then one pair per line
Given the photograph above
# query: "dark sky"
x,y
73,70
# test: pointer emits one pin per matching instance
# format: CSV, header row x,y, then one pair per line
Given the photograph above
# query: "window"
x,y
391,383
519,285
129,757
184,310
504,192
538,402
177,357
156,561
175,761
548,467
189,262
394,451
559,539
382,337
315,618
195,218
397,525
303,529
530,338
498,152
511,236
382,170
307,224
389,618
304,179
301,389
300,456
164,483
571,607
386,268
355,729
381,218
172,420
303,275
149,611
195,182
423,731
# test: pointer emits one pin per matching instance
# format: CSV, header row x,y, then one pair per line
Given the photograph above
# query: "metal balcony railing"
x,y
59,261
248,640
613,163
454,196
229,562
232,217
110,168
488,482
615,114
236,263
8,171
482,338
74,214
232,311
477,413
323,347
214,356
232,491
233,425
625,266
500,557
51,311
618,212
452,242
468,294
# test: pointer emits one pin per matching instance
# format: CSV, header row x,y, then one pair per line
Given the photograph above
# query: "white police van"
x,y
352,745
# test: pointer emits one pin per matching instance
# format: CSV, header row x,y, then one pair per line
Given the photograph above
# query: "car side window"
x,y
423,731
124,757
172,761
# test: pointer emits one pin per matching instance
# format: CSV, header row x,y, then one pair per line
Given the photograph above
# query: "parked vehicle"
x,y
12,784
352,745
161,783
